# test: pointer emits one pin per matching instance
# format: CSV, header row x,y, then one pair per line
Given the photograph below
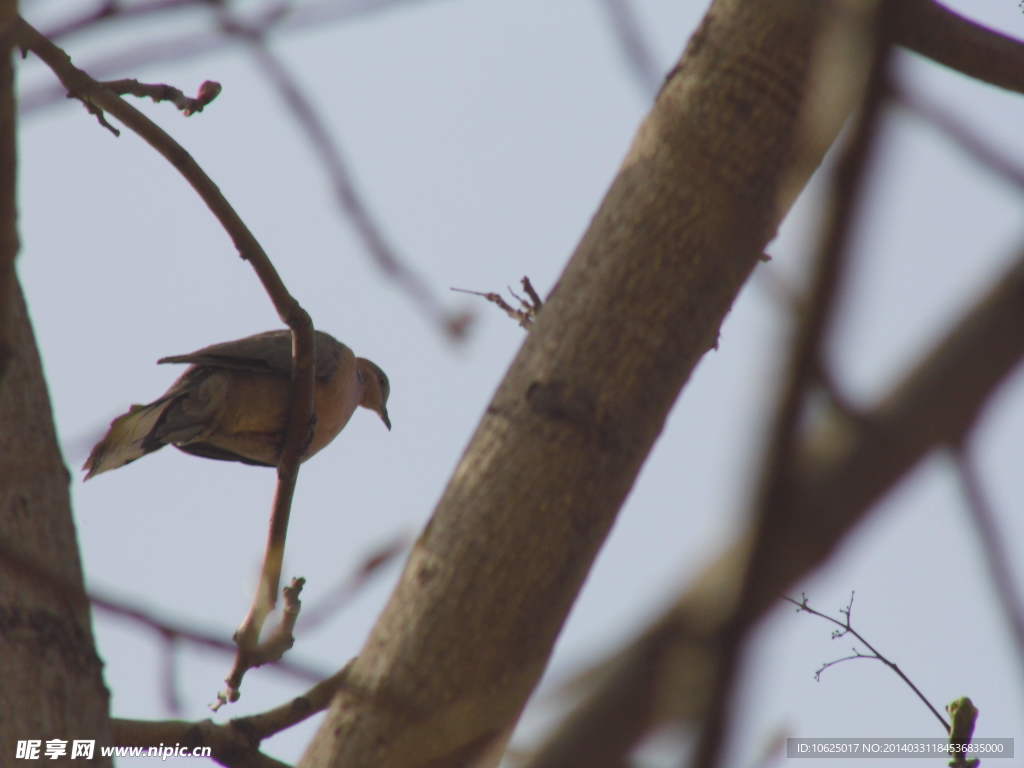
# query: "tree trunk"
x,y
51,684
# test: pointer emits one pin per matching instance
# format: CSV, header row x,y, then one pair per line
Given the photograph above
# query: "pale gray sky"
x,y
483,135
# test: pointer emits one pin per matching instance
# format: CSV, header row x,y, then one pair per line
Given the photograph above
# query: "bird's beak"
x,y
384,417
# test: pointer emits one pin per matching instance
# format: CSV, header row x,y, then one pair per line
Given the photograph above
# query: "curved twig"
x,y
99,99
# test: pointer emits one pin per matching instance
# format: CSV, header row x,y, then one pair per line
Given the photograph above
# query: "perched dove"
x,y
232,403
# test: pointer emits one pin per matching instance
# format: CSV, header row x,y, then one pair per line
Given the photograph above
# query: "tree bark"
x,y
51,684
470,627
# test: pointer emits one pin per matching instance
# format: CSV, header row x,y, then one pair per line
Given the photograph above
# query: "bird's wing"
x,y
269,352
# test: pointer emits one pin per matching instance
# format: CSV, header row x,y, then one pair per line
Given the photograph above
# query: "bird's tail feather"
x,y
130,437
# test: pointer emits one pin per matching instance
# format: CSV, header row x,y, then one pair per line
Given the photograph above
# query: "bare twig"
x,y
169,673
237,742
846,628
290,16
100,98
269,649
208,91
637,53
254,31
528,309
535,299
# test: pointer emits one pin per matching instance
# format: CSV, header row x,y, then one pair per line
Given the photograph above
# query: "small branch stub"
x,y
528,309
280,640
158,92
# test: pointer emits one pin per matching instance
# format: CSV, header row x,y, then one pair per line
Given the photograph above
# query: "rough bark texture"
x,y
469,629
51,685
52,678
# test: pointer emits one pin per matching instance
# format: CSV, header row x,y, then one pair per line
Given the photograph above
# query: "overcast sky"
x,y
483,136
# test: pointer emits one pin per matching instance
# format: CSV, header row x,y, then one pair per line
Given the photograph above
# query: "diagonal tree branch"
x,y
931,29
468,631
237,742
997,558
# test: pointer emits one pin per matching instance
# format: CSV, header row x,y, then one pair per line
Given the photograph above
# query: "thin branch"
x,y
254,32
996,555
528,309
115,10
237,742
255,652
169,673
208,91
94,95
229,746
846,628
636,52
962,137
347,194
316,699
279,18
935,31
348,588
41,573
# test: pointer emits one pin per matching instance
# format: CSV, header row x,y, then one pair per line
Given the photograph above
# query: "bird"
x,y
232,402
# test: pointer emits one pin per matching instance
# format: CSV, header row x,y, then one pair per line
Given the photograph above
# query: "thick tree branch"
x,y
229,746
933,30
9,240
468,631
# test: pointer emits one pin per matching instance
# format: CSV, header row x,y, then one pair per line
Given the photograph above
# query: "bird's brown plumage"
x,y
232,403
